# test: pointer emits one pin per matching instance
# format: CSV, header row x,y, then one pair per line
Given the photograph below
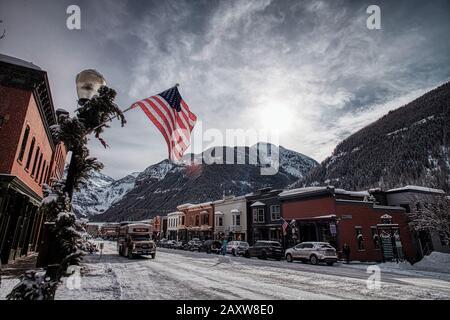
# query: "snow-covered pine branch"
x,y
432,215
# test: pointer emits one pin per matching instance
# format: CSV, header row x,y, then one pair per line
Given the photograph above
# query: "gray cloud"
x,y
311,68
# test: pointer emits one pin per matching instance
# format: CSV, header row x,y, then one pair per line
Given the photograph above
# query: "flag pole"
x,y
112,118
109,120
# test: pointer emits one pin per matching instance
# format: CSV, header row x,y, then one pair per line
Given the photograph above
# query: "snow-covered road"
x,y
192,275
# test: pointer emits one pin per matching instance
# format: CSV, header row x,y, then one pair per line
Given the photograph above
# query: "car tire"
x,y
247,254
330,263
153,255
263,255
289,258
130,254
233,252
313,259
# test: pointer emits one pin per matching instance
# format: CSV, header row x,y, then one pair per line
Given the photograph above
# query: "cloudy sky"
x,y
311,70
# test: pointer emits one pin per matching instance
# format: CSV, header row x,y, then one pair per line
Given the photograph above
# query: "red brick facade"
x,y
28,157
199,220
351,217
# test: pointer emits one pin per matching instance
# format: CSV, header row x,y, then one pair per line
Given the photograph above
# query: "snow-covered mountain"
x,y
100,193
197,178
407,146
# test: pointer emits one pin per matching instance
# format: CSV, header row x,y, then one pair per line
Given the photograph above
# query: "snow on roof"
x,y
199,205
184,206
417,188
376,206
258,204
175,213
302,191
353,193
18,62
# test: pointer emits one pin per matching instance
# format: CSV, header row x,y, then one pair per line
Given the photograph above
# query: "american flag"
x,y
284,226
171,115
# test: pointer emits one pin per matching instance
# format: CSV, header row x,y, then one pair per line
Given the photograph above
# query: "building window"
x,y
219,221
375,238
237,220
38,169
45,180
275,212
30,153
205,219
36,156
359,238
47,174
182,220
197,220
43,171
24,143
258,215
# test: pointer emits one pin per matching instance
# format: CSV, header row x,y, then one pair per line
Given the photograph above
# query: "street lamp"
x,y
88,82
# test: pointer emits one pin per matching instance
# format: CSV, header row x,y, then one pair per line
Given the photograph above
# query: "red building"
x,y
373,232
199,222
29,157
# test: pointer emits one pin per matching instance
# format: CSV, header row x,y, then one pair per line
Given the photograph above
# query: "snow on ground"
x,y
191,275
435,265
6,286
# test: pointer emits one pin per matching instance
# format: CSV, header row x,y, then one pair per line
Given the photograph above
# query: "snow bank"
x,y
436,262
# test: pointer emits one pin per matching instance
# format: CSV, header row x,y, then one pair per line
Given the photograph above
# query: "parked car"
x,y
180,245
170,244
211,246
265,249
161,243
237,247
194,244
313,252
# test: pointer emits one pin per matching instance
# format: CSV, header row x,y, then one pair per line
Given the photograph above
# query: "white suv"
x,y
313,252
237,247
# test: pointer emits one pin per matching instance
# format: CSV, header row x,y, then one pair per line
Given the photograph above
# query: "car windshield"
x,y
144,237
275,244
325,246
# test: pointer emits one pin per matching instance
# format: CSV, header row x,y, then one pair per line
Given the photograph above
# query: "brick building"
x,y
199,222
409,197
374,232
29,157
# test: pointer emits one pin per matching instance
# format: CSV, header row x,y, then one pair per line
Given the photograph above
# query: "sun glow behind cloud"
x,y
309,69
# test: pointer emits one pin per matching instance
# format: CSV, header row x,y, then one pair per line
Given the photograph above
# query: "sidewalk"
x,y
10,273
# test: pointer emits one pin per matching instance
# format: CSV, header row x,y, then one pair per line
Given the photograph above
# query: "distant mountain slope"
x,y
100,193
163,186
410,145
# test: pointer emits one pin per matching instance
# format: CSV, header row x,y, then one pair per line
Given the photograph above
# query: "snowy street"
x,y
178,274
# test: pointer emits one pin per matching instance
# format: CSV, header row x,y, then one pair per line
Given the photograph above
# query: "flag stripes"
x,y
175,122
